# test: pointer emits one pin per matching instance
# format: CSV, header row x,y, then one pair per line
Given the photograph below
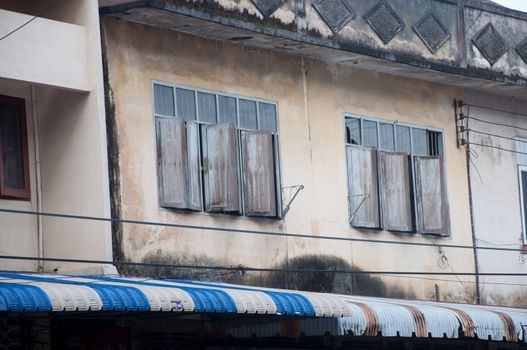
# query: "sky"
x,y
520,5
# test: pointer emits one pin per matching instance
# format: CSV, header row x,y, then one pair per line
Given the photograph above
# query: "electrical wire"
x,y
494,109
495,135
31,20
455,281
252,232
244,269
496,147
146,279
497,124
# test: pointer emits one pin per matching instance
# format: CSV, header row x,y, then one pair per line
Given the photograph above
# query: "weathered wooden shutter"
x,y
259,174
220,166
395,192
363,188
431,199
178,164
172,162
194,167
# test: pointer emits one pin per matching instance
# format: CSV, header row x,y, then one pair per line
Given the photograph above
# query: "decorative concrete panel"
x,y
336,13
522,50
384,21
268,7
432,32
490,43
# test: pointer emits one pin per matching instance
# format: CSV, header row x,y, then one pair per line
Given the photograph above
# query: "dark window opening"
x,y
523,181
14,169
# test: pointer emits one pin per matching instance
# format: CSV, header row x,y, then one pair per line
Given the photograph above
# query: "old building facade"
x,y
343,165
351,105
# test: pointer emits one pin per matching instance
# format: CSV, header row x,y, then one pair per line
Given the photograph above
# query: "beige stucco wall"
x,y
18,233
496,194
312,98
45,52
71,133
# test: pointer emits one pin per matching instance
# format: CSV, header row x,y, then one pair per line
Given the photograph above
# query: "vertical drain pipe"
x,y
36,144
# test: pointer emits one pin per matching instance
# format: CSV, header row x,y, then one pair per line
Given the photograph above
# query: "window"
x,y
14,169
396,177
216,153
522,176
521,161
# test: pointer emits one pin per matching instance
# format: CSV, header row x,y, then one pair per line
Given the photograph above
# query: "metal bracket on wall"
x,y
293,193
461,120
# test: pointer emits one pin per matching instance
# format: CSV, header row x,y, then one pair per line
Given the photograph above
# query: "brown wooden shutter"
x,y
172,162
395,191
259,174
363,188
194,167
431,199
220,166
178,164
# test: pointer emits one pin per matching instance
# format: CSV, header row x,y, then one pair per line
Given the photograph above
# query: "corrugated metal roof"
x,y
320,313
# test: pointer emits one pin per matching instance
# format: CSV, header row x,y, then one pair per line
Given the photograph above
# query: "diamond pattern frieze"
x,y
336,13
522,50
490,43
432,32
268,7
384,21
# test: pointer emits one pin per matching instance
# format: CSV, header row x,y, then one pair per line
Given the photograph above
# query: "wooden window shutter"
x,y
431,198
178,164
259,174
172,165
220,167
194,167
362,186
395,191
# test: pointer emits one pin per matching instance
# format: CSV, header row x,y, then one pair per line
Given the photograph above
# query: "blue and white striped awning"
x,y
44,293
317,313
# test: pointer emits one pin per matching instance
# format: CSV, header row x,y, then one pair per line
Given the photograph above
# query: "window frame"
x,y
14,193
523,192
396,123
239,130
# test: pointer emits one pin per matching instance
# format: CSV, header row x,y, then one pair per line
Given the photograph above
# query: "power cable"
x,y
497,124
244,269
31,20
495,135
496,147
455,281
494,109
146,279
252,232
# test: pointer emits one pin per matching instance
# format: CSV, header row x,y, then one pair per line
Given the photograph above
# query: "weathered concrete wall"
x,y
496,196
474,39
312,98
